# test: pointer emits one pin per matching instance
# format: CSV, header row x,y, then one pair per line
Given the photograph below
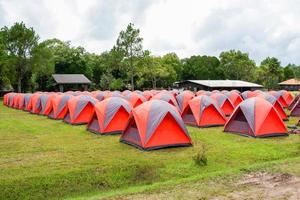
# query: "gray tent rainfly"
x,y
196,85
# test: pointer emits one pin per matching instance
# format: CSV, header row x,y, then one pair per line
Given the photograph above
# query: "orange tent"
x,y
110,116
59,106
224,102
80,109
279,97
203,111
135,99
156,124
234,97
256,117
167,97
278,107
183,99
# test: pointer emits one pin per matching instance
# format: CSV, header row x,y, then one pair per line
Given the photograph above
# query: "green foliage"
x,y
270,73
4,79
201,68
155,71
237,65
200,156
19,41
129,44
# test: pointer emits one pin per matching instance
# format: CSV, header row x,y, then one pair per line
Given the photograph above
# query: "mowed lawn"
x,y
42,158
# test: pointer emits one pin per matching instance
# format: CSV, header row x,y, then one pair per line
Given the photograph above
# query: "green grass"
x,y
47,159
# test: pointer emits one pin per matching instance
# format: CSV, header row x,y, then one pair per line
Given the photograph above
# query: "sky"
x,y
187,27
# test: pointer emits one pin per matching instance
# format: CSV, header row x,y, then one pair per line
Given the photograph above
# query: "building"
x,y
291,84
195,85
71,81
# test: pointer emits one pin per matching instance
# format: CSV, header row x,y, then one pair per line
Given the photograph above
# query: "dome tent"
x,y
276,105
234,97
224,102
183,99
59,106
202,111
167,97
80,109
135,99
110,116
256,117
155,124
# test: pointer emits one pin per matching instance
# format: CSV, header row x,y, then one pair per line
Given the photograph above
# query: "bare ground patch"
x,y
252,186
263,185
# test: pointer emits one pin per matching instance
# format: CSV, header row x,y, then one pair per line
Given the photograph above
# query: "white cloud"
x,y
261,27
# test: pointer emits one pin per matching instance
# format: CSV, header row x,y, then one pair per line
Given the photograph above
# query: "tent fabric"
x,y
46,103
203,92
147,94
167,97
224,102
135,99
10,100
276,104
80,109
287,96
27,104
35,103
279,97
248,94
295,111
113,94
234,97
183,99
20,101
295,100
203,111
110,116
59,106
155,124
16,100
256,117
99,95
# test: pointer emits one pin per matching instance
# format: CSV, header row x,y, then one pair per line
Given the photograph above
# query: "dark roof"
x,y
223,83
71,79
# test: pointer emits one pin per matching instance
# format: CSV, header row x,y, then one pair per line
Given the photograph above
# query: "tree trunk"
x,y
132,82
154,83
131,67
19,84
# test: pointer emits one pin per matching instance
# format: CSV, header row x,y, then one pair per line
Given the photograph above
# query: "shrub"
x,y
200,156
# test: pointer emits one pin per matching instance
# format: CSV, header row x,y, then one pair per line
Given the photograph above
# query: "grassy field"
x,y
47,159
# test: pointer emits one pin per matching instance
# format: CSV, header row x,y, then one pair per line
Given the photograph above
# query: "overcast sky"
x,y
187,27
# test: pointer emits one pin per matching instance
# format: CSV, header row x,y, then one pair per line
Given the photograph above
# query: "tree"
x,y
43,65
4,80
201,67
19,42
237,65
156,71
288,72
270,73
173,60
129,44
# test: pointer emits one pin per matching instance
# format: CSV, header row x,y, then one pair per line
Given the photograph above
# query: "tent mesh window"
x,y
239,124
188,116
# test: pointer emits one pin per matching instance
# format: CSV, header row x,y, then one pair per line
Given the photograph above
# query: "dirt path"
x,y
265,186
253,186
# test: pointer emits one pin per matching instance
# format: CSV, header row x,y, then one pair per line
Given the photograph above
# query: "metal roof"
x,y
71,79
225,83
